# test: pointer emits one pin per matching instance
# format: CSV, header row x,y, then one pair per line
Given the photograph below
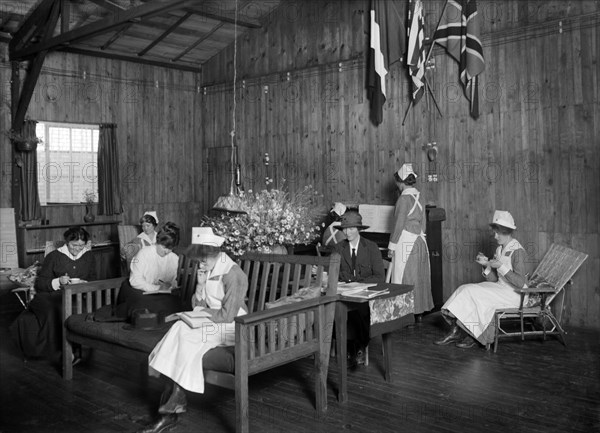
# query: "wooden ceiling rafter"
x,y
120,32
166,33
198,42
99,27
31,26
34,70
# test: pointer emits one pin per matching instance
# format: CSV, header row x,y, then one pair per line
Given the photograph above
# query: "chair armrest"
x,y
537,290
284,310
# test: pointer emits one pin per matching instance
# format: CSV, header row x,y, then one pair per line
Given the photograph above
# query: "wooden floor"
x,y
531,387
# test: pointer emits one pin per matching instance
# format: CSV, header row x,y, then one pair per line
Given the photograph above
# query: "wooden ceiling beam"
x,y
195,44
134,59
227,17
65,15
116,36
108,5
34,72
31,25
165,33
101,26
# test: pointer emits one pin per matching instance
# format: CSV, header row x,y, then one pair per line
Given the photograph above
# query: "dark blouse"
x,y
57,264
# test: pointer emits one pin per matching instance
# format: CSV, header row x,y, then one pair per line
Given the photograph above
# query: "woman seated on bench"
x,y
470,309
60,267
220,292
153,270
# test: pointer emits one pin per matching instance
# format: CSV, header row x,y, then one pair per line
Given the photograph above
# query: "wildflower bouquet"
x,y
273,217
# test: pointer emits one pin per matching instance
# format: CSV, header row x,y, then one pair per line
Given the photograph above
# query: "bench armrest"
x,y
74,301
283,311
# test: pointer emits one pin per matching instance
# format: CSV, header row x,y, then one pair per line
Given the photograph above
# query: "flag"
x,y
387,44
415,57
458,32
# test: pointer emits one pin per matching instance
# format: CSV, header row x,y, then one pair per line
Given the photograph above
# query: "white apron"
x,y
474,304
405,246
179,354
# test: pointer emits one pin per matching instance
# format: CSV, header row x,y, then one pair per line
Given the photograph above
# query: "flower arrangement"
x,y
89,196
272,217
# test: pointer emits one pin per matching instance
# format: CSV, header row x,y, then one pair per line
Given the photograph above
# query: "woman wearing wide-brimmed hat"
x,y
360,261
470,309
407,246
219,296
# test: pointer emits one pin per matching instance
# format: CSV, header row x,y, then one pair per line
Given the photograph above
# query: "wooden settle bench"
x,y
265,338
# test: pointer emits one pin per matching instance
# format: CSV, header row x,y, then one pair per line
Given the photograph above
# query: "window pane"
x,y
67,162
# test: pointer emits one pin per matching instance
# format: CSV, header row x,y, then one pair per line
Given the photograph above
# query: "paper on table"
x,y
344,288
366,293
160,292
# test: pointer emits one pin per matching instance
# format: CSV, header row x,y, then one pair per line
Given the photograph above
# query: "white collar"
x,y
354,246
65,250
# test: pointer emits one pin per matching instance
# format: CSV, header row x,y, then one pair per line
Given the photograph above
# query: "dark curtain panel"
x,y
30,199
109,193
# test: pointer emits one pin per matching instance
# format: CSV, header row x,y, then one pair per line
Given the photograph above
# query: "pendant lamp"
x,y
232,202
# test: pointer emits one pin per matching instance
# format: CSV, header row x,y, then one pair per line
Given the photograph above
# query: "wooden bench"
x,y
264,337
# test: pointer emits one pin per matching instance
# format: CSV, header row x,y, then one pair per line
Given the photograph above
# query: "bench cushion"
x,y
219,359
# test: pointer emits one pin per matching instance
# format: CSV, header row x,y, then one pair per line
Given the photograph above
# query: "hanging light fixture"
x,y
232,202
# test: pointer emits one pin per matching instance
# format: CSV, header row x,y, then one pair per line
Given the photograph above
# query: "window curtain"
x,y
27,164
109,194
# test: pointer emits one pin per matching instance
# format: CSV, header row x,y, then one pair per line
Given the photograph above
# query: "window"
x,y
67,161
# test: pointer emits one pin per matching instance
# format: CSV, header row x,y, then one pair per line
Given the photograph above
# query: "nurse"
x,y
470,309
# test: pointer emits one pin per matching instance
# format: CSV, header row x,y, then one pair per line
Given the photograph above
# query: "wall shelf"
x,y
58,226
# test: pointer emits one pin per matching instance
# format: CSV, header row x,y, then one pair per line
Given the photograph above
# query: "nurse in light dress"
x,y
470,309
220,292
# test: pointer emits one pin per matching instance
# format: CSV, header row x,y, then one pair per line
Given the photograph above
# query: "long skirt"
x,y
410,265
179,354
474,305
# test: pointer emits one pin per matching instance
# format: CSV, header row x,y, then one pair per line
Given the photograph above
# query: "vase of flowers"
x,y
272,219
89,197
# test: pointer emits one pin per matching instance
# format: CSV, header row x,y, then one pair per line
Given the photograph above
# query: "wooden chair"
x,y
547,287
127,233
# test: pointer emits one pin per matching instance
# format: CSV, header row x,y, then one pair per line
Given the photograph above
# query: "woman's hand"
x,y
162,285
64,279
495,263
482,259
391,254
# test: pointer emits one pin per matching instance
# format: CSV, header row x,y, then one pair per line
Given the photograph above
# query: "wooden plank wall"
x,y
157,115
533,151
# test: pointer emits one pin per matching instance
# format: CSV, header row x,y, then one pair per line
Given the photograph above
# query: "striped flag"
x,y
387,45
458,32
415,57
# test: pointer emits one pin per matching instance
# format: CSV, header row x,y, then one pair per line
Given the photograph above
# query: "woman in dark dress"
x,y
72,260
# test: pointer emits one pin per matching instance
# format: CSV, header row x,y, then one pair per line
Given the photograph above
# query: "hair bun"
x,y
171,227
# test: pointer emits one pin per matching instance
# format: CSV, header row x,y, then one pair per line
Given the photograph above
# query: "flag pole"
x,y
436,28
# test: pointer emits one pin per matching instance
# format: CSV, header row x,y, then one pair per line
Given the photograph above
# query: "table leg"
x,y
387,356
341,336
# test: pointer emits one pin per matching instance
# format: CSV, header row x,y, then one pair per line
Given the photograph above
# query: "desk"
x,y
345,304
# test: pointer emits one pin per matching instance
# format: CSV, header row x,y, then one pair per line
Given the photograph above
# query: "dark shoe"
x,y
163,423
454,336
467,343
177,402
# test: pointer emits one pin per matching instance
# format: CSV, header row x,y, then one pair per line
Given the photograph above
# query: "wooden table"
x,y
346,304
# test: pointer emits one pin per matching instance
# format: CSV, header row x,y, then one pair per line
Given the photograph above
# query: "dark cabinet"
x,y
435,216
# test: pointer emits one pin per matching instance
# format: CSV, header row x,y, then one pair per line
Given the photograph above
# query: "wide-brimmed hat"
x,y
205,236
152,214
351,219
339,208
503,218
405,171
